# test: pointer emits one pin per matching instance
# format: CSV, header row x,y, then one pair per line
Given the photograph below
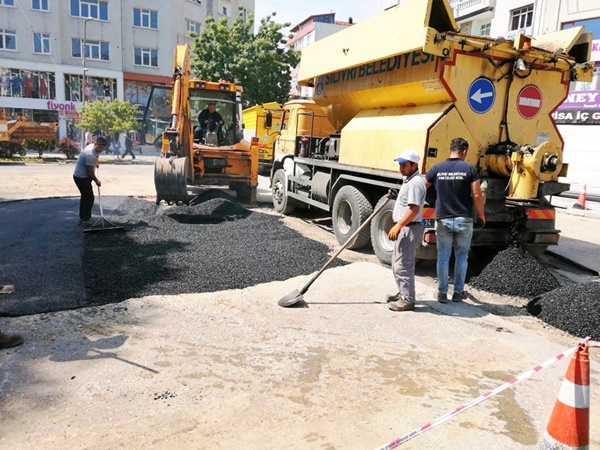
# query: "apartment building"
x,y
310,30
56,54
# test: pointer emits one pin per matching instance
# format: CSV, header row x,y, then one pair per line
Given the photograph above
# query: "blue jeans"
x,y
456,231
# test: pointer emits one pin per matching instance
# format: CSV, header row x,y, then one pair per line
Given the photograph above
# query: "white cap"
x,y
408,155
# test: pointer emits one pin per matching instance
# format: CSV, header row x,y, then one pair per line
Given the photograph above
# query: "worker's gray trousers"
x,y
404,257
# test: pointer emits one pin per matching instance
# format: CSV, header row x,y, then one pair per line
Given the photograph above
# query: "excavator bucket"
x,y
170,180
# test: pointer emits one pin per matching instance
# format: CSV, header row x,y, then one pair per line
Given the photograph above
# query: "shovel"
x,y
296,296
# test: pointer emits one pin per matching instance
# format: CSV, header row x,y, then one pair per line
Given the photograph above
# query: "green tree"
x,y
257,62
108,117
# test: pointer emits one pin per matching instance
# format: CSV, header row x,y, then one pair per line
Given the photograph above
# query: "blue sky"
x,y
296,11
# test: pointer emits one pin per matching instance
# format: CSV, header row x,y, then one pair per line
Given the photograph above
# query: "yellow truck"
x,y
263,122
222,157
13,132
407,78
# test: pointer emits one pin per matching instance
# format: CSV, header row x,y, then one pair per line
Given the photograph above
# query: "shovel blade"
x,y
291,299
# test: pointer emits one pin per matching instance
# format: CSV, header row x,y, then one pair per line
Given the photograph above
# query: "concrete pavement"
x,y
232,369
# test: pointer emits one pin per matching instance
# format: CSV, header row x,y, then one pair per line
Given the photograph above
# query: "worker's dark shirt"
x,y
213,118
452,180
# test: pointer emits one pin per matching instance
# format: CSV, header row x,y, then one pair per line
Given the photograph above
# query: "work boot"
x,y
442,297
457,297
401,305
393,297
10,340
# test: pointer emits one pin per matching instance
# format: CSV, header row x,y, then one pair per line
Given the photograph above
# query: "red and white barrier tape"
x,y
407,437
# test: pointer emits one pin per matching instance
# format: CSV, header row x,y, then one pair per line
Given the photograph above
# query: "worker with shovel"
x,y
408,231
84,174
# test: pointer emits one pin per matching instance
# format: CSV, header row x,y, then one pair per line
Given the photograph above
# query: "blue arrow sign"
x,y
482,95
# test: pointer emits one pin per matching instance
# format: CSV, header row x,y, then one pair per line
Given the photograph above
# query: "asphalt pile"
x,y
516,273
211,207
574,309
223,246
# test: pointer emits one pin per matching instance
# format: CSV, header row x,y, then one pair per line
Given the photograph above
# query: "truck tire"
x,y
380,227
281,202
351,207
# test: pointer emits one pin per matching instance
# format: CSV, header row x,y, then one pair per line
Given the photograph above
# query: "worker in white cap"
x,y
407,231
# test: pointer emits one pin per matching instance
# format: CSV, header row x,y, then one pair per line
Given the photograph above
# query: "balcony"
x,y
468,9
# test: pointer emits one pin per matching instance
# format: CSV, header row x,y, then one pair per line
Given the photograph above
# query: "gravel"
x,y
516,273
212,245
574,309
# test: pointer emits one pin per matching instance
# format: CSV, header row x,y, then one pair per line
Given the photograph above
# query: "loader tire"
x,y
380,227
281,202
351,207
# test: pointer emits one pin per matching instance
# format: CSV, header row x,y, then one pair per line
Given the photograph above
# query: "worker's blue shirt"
x,y
452,180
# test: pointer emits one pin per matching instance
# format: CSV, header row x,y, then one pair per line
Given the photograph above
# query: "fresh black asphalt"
x,y
215,244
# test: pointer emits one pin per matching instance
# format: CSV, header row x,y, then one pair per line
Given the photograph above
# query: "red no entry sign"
x,y
529,101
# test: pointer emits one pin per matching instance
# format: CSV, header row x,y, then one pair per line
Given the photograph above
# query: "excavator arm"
x,y
173,168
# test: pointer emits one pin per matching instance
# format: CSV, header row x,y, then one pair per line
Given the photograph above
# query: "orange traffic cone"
x,y
569,424
581,201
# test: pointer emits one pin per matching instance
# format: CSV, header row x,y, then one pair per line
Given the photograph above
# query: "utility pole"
x,y
84,54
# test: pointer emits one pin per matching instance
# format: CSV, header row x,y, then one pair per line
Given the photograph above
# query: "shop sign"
x,y
60,106
73,115
582,100
577,116
595,56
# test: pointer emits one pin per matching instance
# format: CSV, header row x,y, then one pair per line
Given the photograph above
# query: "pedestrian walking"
x,y
84,174
89,138
458,190
128,147
407,231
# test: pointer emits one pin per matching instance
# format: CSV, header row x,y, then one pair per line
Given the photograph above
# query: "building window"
x,y
8,39
95,9
193,26
78,88
521,18
39,5
224,10
26,83
591,26
145,18
41,43
7,2
485,29
97,50
145,57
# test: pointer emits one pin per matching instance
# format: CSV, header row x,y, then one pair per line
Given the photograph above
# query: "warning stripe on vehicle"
x,y
537,214
544,214
428,213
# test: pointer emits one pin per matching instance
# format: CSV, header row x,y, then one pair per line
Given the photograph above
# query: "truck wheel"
x,y
351,208
281,202
380,227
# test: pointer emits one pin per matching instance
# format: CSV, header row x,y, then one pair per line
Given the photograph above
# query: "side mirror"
x,y
269,119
